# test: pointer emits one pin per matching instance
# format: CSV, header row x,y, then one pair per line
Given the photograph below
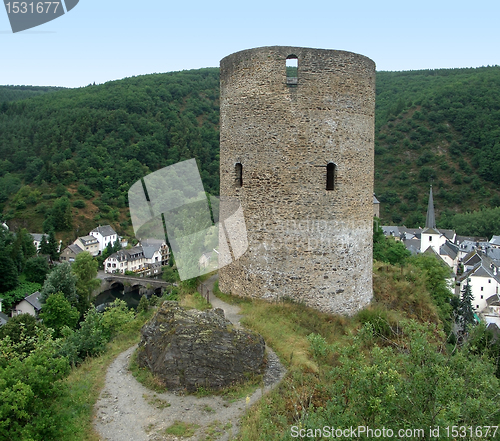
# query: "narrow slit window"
x,y
238,168
330,176
292,68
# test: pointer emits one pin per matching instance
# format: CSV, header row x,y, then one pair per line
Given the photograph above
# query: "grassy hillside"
x,y
73,154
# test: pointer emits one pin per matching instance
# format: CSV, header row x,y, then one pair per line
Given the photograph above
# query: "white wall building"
x,y
105,235
484,281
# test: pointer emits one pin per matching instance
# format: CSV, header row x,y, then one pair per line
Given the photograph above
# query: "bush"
x,y
143,305
79,204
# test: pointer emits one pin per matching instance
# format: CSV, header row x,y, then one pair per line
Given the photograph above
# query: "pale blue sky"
x,y
107,40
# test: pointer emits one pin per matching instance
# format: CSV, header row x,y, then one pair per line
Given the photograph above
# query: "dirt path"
x,y
127,411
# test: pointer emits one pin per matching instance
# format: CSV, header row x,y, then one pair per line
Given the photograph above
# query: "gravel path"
x,y
127,411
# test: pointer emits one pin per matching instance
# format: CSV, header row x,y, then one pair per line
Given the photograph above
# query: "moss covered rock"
x,y
189,349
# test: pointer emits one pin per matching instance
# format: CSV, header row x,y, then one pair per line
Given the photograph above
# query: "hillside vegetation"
x,y
16,93
69,157
439,127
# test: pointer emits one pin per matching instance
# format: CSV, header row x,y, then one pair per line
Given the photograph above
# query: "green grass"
x,y
182,429
235,391
215,430
155,401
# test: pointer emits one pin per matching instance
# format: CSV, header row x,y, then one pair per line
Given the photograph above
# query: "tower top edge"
x,y
296,51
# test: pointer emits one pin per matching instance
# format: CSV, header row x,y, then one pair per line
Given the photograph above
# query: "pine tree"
x,y
465,309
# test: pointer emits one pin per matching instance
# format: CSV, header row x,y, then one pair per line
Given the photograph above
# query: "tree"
x,y
57,313
29,385
143,304
61,214
465,309
22,248
85,269
21,330
44,245
53,246
8,271
36,269
60,279
387,249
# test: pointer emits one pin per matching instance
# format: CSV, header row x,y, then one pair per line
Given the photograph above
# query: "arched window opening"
x,y
292,69
238,169
330,176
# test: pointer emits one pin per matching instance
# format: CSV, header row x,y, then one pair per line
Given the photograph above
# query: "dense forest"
x,y
16,93
68,157
439,127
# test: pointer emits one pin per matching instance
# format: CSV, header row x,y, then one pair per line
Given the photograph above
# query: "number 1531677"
x,y
32,7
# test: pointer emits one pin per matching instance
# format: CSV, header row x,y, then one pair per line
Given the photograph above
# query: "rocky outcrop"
x,y
188,349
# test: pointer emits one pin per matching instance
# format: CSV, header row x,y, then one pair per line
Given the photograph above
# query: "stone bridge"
x,y
127,283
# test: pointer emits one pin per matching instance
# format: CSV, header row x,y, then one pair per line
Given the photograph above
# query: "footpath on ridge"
x,y
126,410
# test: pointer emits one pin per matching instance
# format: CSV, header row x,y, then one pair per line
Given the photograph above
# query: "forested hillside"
x,y
68,158
80,150
439,127
15,93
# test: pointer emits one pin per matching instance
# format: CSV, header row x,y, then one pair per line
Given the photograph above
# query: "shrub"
x,y
79,204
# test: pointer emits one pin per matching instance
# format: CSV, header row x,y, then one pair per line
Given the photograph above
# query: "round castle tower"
x,y
296,149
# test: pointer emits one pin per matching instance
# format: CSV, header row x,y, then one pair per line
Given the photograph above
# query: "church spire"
x,y
430,222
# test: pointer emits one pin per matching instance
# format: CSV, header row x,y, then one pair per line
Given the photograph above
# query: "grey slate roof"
x,y
75,248
391,230
483,268
88,240
431,231
150,246
412,245
410,233
3,318
475,240
128,255
38,237
495,240
449,234
449,249
493,300
430,221
375,200
104,230
33,301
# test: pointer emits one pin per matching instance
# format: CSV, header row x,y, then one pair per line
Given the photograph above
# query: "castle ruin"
x,y
296,150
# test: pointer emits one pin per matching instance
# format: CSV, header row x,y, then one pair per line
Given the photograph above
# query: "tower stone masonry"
x,y
296,150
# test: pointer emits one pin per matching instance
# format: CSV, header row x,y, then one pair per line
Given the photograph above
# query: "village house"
x,y
145,259
37,240
105,235
125,260
69,253
88,243
29,305
483,277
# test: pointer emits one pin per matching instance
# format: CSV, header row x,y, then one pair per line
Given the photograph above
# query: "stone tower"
x,y
296,149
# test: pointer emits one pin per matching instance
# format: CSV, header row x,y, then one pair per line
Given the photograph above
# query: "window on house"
x,y
292,68
430,238
482,288
238,169
477,306
330,176
481,297
489,280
